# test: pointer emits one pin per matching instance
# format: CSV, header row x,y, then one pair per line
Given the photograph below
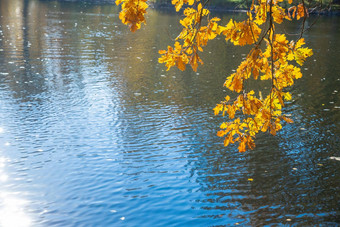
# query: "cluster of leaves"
x,y
272,57
132,13
194,36
274,62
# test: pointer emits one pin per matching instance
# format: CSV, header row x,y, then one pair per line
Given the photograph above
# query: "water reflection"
x,y
13,208
100,134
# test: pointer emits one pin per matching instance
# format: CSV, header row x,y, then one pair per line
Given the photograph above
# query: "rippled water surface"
x,y
94,132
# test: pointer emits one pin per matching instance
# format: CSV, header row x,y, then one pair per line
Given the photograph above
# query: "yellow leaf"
x,y
288,120
226,141
242,147
118,2
300,11
220,133
250,179
178,7
215,19
278,14
261,13
180,64
218,109
199,7
287,96
299,43
223,125
227,98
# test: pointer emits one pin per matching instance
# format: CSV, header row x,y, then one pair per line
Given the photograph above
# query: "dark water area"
x,y
94,132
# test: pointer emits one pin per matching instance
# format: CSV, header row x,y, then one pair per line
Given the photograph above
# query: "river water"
x,y
94,132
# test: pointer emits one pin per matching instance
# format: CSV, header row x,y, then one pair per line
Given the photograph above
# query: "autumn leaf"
x,y
242,147
288,120
180,64
301,11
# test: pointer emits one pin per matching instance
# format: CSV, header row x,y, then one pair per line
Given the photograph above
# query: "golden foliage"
x,y
194,37
132,13
272,57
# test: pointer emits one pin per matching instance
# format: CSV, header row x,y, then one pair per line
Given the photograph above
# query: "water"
x,y
94,132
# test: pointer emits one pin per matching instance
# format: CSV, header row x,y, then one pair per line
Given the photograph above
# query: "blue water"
x,y
94,132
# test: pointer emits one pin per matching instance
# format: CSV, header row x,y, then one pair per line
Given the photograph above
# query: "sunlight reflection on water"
x,y
12,206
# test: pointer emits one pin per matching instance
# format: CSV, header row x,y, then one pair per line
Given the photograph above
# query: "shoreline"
x,y
228,7
233,9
